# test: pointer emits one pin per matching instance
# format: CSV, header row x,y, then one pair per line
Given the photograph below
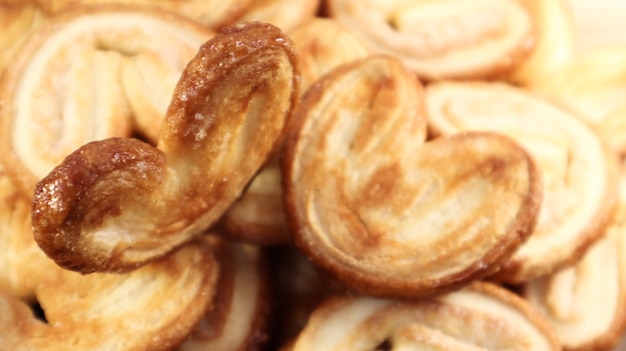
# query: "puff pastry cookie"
x,y
479,317
117,203
579,173
386,213
445,38
152,308
52,91
586,303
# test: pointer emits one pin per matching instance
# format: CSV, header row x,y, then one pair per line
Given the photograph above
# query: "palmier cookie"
x,y
90,74
152,308
210,13
445,38
386,213
117,203
586,303
481,316
240,314
579,173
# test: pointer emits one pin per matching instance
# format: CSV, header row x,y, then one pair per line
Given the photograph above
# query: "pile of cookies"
x,y
306,175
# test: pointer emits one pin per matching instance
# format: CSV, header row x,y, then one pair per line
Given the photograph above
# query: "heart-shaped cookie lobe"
x,y
383,211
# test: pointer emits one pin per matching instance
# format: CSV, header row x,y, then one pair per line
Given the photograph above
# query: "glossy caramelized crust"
x,y
285,14
90,74
210,13
554,42
241,309
152,308
384,212
318,54
593,86
579,173
445,38
479,317
117,203
586,303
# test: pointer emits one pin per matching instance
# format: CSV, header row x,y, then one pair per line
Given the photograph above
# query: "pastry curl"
x,y
579,172
386,213
586,303
481,316
115,204
152,308
443,39
239,319
52,91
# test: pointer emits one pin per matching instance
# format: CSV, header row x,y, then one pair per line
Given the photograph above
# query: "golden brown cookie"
x,y
90,74
115,204
384,212
445,38
152,308
18,18
586,303
481,316
579,173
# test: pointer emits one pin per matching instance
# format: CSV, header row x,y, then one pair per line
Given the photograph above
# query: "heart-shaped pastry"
x,y
579,173
152,308
86,75
386,213
444,38
586,303
481,316
115,204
